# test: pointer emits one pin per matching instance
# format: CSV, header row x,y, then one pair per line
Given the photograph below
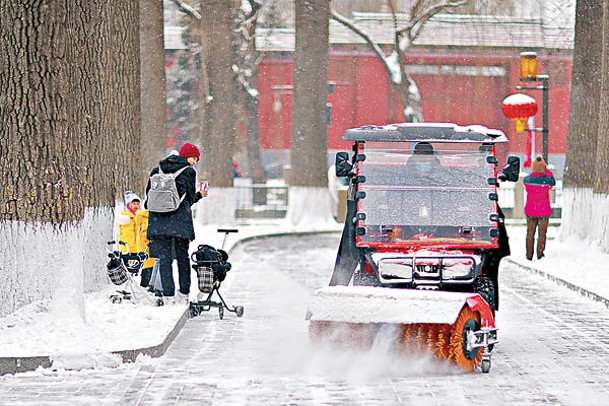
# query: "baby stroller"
x,y
122,269
211,266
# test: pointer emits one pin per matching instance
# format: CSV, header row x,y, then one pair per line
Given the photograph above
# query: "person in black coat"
x,y
170,234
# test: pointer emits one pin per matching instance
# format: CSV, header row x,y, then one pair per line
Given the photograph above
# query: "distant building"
x,y
463,65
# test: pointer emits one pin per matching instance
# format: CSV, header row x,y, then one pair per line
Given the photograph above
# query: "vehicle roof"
x,y
429,132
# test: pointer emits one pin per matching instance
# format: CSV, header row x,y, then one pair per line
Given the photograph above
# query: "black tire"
x,y
239,311
221,312
486,288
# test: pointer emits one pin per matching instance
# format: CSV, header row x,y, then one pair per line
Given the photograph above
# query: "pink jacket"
x,y
538,187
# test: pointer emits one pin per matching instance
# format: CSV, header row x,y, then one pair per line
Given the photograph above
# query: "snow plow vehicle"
x,y
422,242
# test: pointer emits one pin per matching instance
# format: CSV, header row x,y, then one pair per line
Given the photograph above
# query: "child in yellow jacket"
x,y
127,229
132,228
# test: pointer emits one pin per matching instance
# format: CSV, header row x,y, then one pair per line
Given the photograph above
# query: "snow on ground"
x,y
573,260
50,328
41,329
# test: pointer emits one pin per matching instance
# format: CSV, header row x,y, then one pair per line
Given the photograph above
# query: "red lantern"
x,y
519,107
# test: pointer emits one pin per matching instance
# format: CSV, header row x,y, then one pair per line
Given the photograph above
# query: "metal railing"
x,y
261,201
270,201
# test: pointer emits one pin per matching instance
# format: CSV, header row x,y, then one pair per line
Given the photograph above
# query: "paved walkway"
x,y
553,350
571,263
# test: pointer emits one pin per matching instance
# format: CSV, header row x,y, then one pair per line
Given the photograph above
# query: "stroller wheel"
x,y
159,302
194,312
116,299
239,311
221,312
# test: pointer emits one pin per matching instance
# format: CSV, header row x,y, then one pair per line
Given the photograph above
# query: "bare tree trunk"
x,y
70,131
253,132
601,185
309,132
220,115
154,93
585,96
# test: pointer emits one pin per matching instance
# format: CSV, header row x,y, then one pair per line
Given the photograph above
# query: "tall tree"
x,y
586,86
70,125
601,184
247,77
406,29
309,129
153,84
218,20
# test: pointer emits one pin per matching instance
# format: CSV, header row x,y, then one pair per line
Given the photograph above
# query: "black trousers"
x,y
168,249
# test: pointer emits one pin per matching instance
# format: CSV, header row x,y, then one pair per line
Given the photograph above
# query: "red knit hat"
x,y
190,150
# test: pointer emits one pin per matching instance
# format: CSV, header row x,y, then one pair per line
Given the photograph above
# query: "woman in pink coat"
x,y
537,208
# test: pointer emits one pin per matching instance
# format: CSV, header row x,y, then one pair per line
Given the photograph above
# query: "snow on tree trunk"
x,y
309,207
218,207
41,262
584,215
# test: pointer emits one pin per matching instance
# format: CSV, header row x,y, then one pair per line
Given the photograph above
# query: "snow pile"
x,y
362,304
309,208
44,329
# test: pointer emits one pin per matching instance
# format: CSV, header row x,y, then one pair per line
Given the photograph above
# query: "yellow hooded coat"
x,y
141,223
127,231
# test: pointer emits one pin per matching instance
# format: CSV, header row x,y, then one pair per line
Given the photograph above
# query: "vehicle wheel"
x,y
485,366
116,299
466,359
221,312
159,302
485,287
239,311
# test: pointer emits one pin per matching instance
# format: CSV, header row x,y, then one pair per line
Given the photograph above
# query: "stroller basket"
x,y
118,276
121,264
205,275
116,269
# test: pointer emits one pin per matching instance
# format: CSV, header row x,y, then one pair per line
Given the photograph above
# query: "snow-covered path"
x,y
554,349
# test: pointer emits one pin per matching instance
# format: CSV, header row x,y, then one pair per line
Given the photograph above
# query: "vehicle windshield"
x,y
436,194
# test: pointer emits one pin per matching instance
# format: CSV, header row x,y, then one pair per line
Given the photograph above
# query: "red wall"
x,y
362,94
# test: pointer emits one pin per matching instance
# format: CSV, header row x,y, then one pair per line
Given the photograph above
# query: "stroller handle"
x,y
226,232
110,243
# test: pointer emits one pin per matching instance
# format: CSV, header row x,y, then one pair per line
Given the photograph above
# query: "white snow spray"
x,y
380,361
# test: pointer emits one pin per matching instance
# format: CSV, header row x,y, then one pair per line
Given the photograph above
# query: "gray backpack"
x,y
163,196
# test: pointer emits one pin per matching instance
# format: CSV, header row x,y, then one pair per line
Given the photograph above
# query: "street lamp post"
x,y
528,73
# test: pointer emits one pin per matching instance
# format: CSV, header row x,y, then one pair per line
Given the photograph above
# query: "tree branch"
x,y
375,47
188,9
417,22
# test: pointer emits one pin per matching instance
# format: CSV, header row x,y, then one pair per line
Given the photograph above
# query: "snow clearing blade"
x,y
458,327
